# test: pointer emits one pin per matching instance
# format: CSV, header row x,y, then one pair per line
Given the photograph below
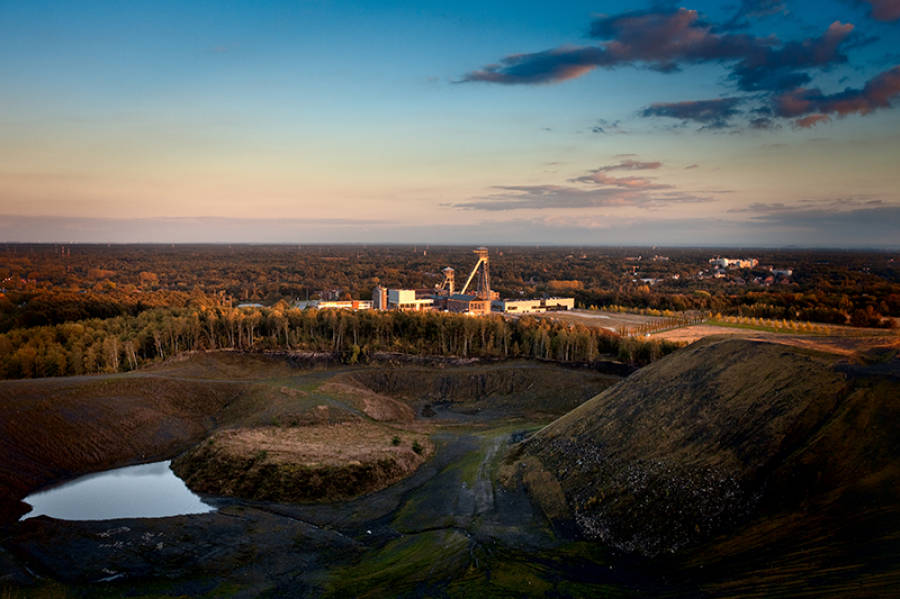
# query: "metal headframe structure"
x,y
483,287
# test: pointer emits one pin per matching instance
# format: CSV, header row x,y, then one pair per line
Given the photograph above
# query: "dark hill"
x,y
734,451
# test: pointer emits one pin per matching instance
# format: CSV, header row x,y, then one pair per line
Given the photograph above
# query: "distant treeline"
x,y
128,342
45,284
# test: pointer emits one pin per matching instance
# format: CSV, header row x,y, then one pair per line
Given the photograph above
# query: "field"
x,y
842,340
611,321
848,342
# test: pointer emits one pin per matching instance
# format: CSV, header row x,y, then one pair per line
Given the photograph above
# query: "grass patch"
x,y
758,327
403,565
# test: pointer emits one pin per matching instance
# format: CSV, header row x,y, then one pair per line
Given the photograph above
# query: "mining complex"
x,y
475,297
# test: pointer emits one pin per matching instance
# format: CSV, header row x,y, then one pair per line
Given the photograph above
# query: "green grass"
x,y
402,565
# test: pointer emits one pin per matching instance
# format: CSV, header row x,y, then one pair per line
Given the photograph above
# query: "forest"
x,y
124,343
99,308
52,284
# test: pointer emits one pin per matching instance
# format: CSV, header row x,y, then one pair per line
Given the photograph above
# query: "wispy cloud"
x,y
601,178
665,39
754,9
598,189
767,210
541,197
878,92
711,113
770,70
629,165
884,10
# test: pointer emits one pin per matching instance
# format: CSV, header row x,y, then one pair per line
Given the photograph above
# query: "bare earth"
x,y
835,344
327,444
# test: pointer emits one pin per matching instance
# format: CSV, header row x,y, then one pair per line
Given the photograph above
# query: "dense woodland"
x,y
95,308
128,342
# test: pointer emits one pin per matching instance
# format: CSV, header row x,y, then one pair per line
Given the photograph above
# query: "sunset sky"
x,y
761,122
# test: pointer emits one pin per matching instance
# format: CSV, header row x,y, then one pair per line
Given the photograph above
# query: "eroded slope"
x,y
717,438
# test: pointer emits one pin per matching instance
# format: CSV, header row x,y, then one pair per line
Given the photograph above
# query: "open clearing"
x,y
848,343
611,321
841,340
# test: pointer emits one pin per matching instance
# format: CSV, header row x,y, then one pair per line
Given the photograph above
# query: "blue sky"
x,y
764,122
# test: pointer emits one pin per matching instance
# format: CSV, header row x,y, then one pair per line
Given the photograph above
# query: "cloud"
x,y
877,93
770,68
540,197
628,165
604,126
768,210
550,66
884,10
664,39
711,113
763,122
691,166
754,9
812,120
601,178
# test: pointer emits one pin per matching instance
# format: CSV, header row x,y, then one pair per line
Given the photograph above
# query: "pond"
x,y
144,491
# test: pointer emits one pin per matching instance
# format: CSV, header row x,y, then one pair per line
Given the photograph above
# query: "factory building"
x,y
336,304
478,300
379,298
409,299
525,306
468,304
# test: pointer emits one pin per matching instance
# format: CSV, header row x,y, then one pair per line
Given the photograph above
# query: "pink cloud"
x,y
877,93
811,121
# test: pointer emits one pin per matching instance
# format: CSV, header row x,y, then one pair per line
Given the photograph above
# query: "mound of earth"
x,y
753,448
303,464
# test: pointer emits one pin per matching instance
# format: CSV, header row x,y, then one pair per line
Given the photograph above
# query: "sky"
x,y
754,123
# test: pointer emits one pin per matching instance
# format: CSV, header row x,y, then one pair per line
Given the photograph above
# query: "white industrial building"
x,y
336,304
408,299
524,306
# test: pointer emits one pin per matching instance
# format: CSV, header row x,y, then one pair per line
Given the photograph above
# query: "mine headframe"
x,y
481,270
448,283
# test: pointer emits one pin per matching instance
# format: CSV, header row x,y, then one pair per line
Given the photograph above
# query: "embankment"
x,y
718,441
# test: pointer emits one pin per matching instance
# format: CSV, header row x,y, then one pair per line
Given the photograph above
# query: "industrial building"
x,y
336,304
734,262
475,296
525,306
410,299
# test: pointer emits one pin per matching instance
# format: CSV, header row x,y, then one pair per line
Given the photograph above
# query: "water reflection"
x,y
145,491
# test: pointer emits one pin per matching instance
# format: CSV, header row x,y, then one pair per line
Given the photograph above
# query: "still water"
x,y
144,491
